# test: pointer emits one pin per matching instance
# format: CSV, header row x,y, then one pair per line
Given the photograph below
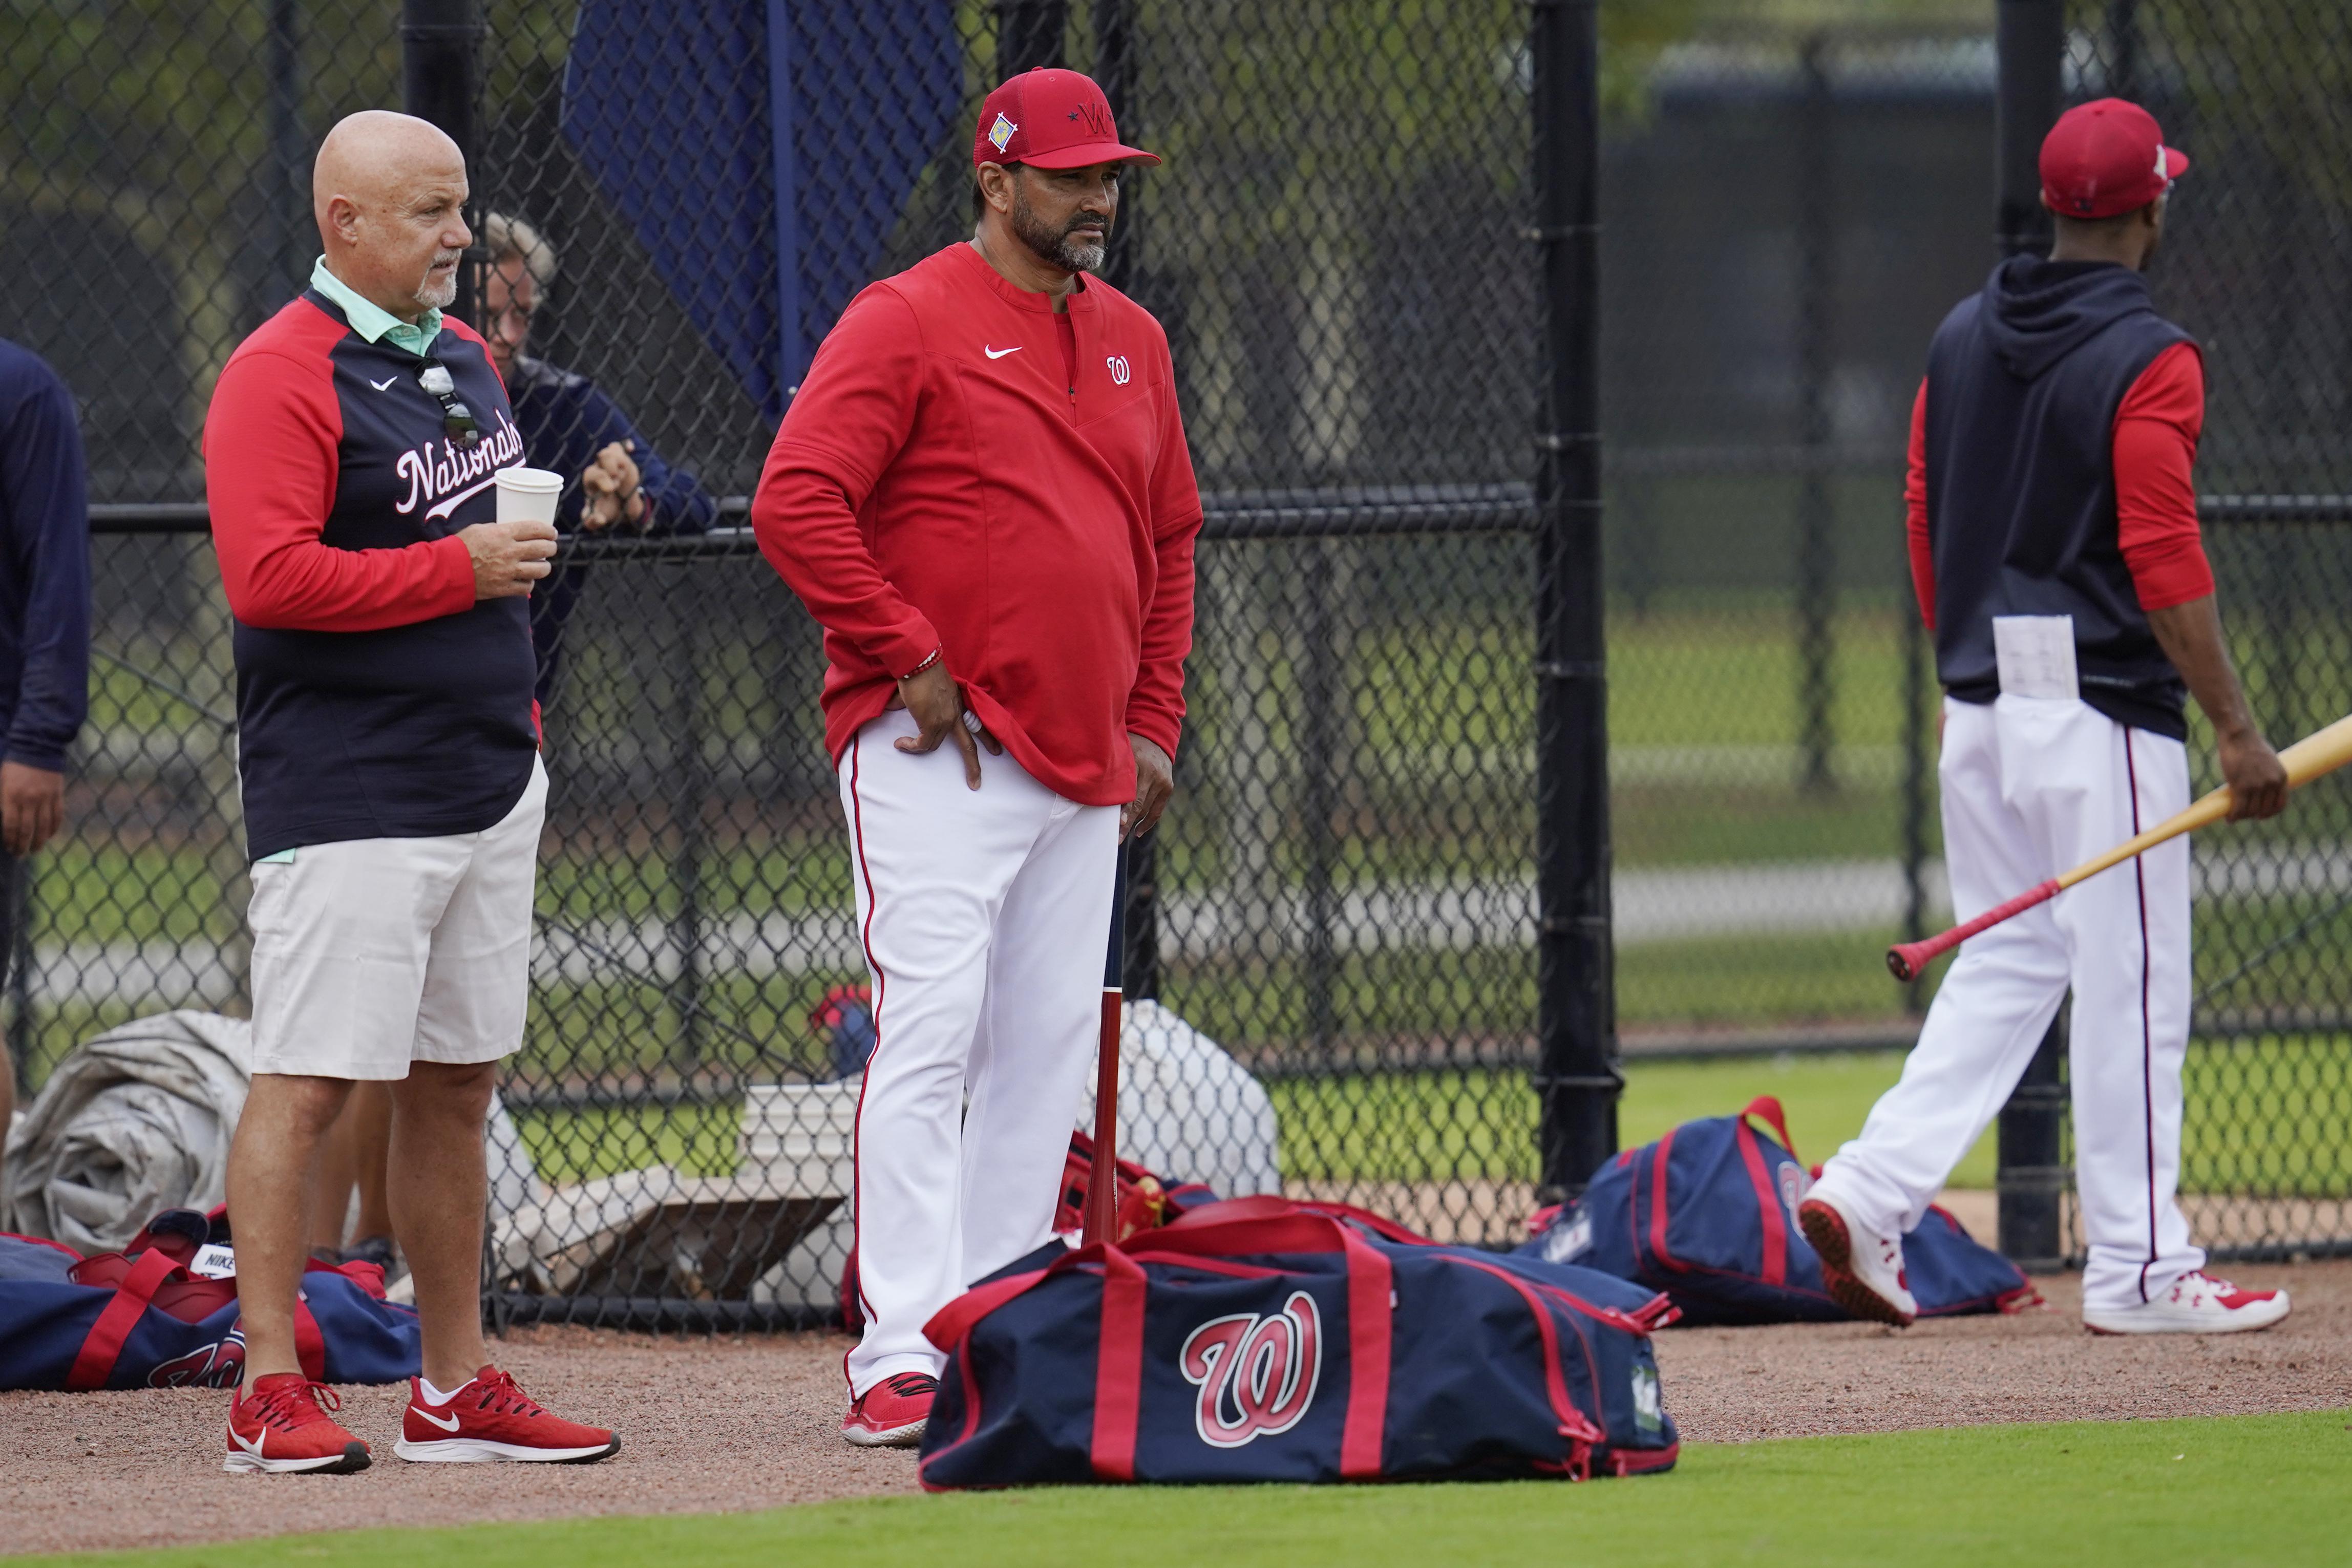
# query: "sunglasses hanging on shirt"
x,y
458,421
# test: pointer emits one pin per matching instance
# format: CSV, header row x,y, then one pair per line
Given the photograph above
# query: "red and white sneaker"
x,y
280,1425
2196,1304
893,1413
490,1418
1862,1268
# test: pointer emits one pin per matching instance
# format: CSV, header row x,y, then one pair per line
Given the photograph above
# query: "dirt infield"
x,y
710,1424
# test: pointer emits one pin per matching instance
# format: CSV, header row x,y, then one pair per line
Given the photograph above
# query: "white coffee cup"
x,y
528,495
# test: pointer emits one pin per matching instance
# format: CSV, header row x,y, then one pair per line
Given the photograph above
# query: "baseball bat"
x,y
2315,756
1100,1222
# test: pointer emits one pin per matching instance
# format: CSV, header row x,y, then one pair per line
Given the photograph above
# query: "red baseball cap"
x,y
2106,158
1053,119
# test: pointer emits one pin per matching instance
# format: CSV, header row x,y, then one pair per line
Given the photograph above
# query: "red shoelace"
x,y
499,1396
292,1404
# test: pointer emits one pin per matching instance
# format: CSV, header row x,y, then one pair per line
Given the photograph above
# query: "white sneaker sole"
x,y
351,1459
2151,1319
480,1451
1825,1227
907,1437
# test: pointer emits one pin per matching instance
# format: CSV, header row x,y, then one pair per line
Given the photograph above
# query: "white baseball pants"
x,y
2031,787
985,916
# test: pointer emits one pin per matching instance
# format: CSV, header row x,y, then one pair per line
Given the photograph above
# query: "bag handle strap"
x,y
951,1322
102,1346
1119,1368
1766,1107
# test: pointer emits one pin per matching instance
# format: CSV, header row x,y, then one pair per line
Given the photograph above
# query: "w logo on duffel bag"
x,y
1256,1375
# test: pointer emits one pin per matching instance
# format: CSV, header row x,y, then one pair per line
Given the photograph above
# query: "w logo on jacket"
x,y
1256,1375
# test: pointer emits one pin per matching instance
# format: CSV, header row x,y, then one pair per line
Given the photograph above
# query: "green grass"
x,y
2262,1491
1479,1124
1444,1124
2272,1117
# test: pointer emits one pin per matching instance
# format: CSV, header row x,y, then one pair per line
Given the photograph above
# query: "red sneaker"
x,y
490,1418
891,1414
280,1425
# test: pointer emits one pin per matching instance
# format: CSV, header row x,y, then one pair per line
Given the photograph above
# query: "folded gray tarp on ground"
x,y
131,1123
138,1119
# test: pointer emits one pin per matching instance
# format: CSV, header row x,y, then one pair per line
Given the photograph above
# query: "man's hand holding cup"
x,y
513,552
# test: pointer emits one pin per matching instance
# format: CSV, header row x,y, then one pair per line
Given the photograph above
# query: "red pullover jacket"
x,y
964,470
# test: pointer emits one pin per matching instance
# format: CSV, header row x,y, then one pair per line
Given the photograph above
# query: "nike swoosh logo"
x,y
253,1448
385,384
449,1424
1000,353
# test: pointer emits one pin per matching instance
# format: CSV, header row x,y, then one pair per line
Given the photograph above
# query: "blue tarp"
x,y
762,151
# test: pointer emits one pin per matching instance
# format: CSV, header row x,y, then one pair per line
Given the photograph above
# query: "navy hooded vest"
x,y
2023,382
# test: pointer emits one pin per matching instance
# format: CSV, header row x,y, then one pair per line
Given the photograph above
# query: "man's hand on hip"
x,y
2256,778
936,702
1155,781
509,557
32,807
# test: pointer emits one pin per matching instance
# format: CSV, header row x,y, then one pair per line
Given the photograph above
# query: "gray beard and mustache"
x,y
1055,247
440,296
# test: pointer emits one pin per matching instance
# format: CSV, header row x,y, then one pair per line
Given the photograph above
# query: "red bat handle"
x,y
1909,959
1100,1222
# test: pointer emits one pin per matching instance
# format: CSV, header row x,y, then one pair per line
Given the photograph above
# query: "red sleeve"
x,y
1914,510
1155,707
269,480
853,413
2157,430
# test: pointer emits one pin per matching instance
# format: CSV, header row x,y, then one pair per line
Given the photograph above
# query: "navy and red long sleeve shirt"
x,y
375,697
44,564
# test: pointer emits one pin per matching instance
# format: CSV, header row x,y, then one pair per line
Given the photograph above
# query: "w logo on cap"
x,y
1256,1375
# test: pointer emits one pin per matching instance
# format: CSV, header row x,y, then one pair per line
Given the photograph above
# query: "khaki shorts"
x,y
373,952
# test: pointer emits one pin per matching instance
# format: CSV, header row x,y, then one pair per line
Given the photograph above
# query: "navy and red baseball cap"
x,y
2106,158
1052,118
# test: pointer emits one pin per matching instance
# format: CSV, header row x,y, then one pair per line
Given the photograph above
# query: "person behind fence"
x,y
2055,549
981,491
44,627
393,789
570,425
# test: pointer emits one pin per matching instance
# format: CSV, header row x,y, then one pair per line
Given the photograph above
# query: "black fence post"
x,y
2032,1174
1816,351
1577,1082
441,80
1320,731
1918,760
2123,47
1114,70
1029,34
289,195
693,799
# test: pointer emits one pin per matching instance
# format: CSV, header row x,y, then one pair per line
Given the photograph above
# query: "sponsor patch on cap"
x,y
1001,133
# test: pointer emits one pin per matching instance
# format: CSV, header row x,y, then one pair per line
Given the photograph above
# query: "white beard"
x,y
437,295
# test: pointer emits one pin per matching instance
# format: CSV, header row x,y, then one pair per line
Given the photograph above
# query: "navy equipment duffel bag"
x,y
1708,1215
1255,1340
162,1313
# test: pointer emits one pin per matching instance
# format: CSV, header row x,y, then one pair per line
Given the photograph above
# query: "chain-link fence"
x,y
1343,896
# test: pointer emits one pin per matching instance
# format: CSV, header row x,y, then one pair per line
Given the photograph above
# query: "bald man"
x,y
388,750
